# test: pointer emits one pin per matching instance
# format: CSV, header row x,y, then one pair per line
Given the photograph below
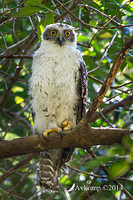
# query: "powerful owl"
x,y
58,91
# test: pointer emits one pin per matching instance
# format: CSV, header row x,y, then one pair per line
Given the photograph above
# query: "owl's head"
x,y
60,34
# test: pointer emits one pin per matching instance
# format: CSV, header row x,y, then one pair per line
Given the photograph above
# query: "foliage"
x,y
101,27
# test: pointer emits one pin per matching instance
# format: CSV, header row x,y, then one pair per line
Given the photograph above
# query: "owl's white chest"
x,y
53,86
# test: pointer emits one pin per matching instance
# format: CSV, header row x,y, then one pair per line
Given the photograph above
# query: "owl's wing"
x,y
32,112
82,91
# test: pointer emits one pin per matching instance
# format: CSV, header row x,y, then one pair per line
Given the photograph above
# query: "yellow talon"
x,y
67,125
57,129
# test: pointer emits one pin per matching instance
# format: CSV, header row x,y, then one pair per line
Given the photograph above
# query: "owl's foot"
x,y
67,125
56,129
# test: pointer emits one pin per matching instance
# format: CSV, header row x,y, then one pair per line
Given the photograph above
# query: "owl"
x,y
58,91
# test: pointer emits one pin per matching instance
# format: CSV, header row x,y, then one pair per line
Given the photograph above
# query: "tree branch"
x,y
104,111
107,83
15,56
81,136
19,165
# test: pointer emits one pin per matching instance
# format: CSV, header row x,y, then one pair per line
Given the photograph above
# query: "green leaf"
x,y
16,89
128,141
93,23
81,38
37,3
105,35
119,168
130,157
40,28
34,2
112,12
7,1
11,136
19,100
26,11
49,19
116,150
97,1
9,38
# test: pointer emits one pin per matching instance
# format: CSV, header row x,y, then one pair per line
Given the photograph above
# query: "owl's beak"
x,y
60,41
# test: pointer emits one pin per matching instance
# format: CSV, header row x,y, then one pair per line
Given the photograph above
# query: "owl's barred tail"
x,y
49,171
51,162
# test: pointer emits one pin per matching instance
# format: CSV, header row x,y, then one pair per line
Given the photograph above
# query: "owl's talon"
x,y
57,129
66,125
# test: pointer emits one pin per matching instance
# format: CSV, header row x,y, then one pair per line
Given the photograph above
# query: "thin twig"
x,y
121,187
16,56
110,44
22,41
89,174
89,45
105,119
112,87
15,77
5,45
65,13
101,13
112,107
8,20
74,16
32,25
93,70
9,10
19,165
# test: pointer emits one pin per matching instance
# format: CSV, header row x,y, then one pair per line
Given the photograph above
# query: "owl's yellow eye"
x,y
67,33
53,32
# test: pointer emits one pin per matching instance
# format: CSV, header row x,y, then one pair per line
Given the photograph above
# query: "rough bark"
x,y
81,136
